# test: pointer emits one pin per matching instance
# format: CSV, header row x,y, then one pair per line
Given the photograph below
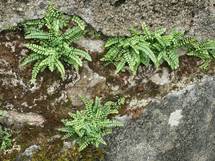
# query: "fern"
x,y
204,50
146,46
132,50
54,38
90,125
5,139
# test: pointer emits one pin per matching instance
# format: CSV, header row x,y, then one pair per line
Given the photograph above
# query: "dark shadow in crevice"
x,y
119,3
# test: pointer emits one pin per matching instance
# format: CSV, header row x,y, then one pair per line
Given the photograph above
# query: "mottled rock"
x,y
15,119
115,17
28,153
96,46
161,78
179,128
90,84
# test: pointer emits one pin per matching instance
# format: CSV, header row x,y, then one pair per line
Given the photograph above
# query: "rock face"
x,y
17,120
114,17
89,85
179,128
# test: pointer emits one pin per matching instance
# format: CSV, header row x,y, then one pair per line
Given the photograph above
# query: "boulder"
x,y
180,127
115,17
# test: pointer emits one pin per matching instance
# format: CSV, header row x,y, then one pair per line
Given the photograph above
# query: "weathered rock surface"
x,y
91,45
114,17
89,85
15,119
181,127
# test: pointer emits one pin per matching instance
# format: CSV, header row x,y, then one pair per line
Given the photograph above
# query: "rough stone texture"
x,y
28,153
114,17
91,45
181,127
15,119
90,84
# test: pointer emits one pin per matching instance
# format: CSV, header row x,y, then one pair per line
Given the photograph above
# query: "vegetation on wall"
x,y
5,139
5,136
89,126
145,46
53,39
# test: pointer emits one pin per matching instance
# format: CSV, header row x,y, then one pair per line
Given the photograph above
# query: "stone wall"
x,y
115,17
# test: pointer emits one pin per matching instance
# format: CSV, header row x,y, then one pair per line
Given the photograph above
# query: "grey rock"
x,y
115,17
91,45
28,153
90,84
17,120
31,150
181,127
162,77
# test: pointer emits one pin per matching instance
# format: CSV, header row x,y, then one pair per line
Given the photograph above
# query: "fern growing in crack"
x,y
164,46
145,46
54,37
89,126
204,50
132,50
5,139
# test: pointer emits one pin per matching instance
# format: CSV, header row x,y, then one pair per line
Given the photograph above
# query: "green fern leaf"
x,y
31,58
38,35
79,22
60,68
112,41
82,54
39,49
146,50
120,66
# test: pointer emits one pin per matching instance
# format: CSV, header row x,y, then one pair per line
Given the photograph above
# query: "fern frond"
x,y
38,35
75,58
174,59
39,49
60,68
146,50
72,34
82,54
112,53
31,58
79,22
112,41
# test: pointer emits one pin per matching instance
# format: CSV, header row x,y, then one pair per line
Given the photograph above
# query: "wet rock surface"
x,y
181,127
115,17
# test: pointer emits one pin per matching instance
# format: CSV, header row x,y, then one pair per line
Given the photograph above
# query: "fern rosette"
x,y
54,39
89,126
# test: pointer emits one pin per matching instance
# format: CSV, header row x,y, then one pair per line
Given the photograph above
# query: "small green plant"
x,y
5,139
132,50
146,46
54,38
164,46
204,50
89,126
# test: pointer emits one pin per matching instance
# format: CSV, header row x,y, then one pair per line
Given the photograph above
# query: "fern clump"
x,y
146,46
5,139
164,45
89,126
143,47
54,38
132,50
204,50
